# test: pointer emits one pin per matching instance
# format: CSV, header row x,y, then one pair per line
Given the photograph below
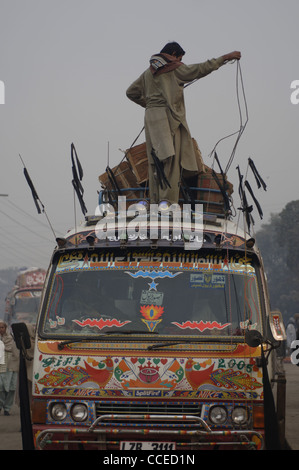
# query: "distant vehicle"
x,y
22,302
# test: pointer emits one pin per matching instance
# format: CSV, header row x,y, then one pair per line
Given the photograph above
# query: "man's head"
x,y
173,48
3,327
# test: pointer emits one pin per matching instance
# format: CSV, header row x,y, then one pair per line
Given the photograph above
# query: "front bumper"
x,y
109,430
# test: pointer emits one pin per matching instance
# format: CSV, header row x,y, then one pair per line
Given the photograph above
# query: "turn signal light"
x,y
38,411
258,417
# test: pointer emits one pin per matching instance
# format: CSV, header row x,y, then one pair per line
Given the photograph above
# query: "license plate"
x,y
137,445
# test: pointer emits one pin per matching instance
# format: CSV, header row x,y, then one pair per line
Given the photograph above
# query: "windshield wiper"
x,y
99,337
186,341
163,345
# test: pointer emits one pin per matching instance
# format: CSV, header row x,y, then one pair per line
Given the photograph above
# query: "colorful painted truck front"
x,y
144,345
22,302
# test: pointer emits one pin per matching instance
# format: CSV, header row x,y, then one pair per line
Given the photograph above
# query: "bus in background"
x,y
22,302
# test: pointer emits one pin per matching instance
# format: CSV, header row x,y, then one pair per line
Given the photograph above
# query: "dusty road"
x,y
292,405
10,435
10,430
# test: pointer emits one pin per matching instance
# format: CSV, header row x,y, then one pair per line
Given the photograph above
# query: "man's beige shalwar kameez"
x,y
166,128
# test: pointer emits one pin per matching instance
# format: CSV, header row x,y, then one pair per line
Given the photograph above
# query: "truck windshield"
x,y
175,295
25,306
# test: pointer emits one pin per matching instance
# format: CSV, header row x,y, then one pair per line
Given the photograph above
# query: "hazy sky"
x,y
66,65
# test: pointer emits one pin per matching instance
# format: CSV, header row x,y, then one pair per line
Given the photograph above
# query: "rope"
x,y
125,156
242,126
239,78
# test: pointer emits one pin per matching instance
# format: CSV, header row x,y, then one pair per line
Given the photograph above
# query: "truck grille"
x,y
147,407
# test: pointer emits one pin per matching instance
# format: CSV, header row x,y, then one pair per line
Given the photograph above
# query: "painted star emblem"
x,y
153,285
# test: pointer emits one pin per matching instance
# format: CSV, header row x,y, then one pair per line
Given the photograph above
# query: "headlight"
x,y
239,415
79,412
58,411
218,415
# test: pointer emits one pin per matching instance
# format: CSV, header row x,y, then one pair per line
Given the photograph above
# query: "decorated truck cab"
x,y
144,345
155,330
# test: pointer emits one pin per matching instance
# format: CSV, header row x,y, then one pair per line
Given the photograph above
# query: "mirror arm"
x,y
23,350
273,346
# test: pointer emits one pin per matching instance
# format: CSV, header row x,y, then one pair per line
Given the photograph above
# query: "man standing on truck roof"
x,y
168,141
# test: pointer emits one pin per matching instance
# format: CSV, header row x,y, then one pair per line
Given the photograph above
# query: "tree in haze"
x,y
278,243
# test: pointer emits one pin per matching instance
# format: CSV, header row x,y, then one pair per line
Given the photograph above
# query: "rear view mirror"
x,y
21,336
277,326
253,338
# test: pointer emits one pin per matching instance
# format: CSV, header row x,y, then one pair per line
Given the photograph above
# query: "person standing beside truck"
x,y
8,370
168,140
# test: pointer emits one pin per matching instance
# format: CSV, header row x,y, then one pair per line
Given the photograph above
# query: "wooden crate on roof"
x,y
138,160
209,193
205,190
137,157
122,178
